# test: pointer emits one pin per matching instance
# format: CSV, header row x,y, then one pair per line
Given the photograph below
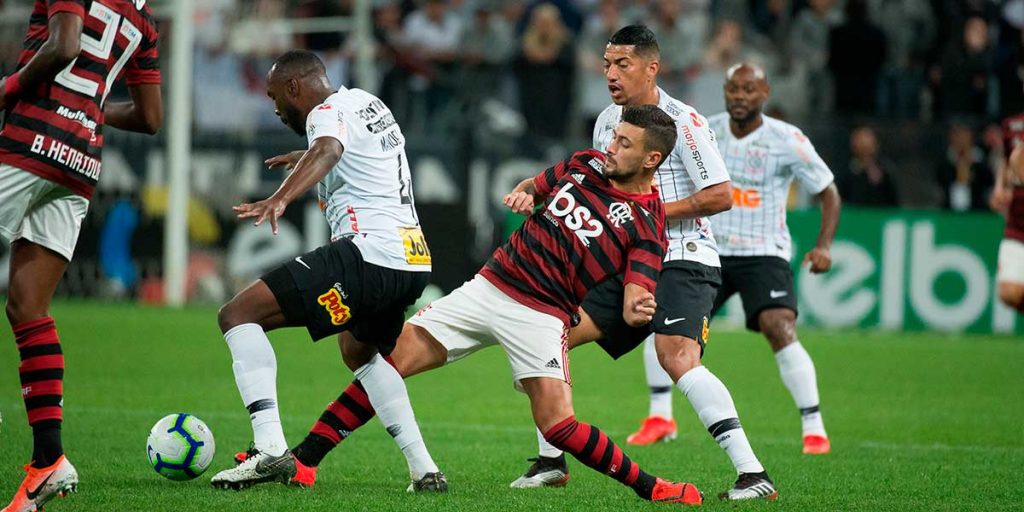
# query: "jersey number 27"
x,y
113,23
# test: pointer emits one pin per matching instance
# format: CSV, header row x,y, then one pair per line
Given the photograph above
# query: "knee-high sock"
x,y
255,368
593,448
390,399
343,416
797,371
42,386
714,406
658,381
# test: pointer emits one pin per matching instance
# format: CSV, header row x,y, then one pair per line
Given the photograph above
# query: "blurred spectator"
x,y
909,27
770,20
727,47
808,50
487,46
545,68
328,45
263,33
1010,57
568,11
866,181
592,86
964,176
964,74
432,35
682,38
857,50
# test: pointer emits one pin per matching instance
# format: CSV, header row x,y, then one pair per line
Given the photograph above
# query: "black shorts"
x,y
331,290
763,282
686,292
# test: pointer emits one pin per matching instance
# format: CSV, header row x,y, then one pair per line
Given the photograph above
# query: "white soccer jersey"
x,y
693,165
762,166
367,196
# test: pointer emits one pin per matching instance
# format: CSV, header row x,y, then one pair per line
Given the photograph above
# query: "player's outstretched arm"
x,y
820,258
708,201
143,114
288,160
523,198
638,305
59,50
322,156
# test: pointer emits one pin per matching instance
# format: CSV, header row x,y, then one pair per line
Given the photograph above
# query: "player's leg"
x,y
686,290
43,220
1010,278
551,404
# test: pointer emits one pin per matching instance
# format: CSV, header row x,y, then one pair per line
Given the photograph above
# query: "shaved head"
x,y
297,64
296,83
746,67
746,90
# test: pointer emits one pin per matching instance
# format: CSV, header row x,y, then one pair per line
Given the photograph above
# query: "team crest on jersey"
x,y
619,213
331,300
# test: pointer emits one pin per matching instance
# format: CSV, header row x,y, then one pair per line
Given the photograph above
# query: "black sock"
x,y
46,443
312,450
644,485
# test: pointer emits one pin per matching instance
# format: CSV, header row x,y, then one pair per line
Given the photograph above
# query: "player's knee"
x,y
778,326
18,312
677,354
1011,294
231,315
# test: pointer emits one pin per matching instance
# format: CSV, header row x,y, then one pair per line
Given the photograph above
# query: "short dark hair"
x,y
640,37
659,129
298,64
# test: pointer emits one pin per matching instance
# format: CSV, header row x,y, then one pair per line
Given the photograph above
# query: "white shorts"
x,y
39,211
1011,262
477,315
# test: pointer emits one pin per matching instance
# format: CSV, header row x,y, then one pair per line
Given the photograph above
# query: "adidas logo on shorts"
x,y
553,364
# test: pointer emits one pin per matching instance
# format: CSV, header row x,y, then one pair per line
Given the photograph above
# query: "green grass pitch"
x,y
918,422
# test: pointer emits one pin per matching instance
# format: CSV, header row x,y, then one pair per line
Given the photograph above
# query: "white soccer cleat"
x,y
545,472
42,485
258,468
751,486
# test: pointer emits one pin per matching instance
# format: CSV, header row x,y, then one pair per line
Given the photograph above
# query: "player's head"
x,y
643,140
631,63
296,83
746,90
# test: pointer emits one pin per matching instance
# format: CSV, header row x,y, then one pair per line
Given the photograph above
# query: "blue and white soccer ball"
x,y
180,446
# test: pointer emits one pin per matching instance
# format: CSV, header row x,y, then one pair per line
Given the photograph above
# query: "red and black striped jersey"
x,y
1013,133
587,232
55,129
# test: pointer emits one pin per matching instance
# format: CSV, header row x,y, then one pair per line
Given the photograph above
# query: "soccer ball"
x,y
180,446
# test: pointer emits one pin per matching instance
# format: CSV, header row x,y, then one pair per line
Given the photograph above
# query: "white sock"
x,y
658,381
714,406
797,371
546,449
255,370
390,399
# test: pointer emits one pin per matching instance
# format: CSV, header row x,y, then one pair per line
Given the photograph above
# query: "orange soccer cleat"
x,y
672,492
41,485
652,430
816,445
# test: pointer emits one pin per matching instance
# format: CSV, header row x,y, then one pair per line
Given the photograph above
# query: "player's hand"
x,y
820,260
519,202
1000,199
269,209
288,160
640,310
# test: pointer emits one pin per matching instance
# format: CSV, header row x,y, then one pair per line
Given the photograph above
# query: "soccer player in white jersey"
x,y
357,286
694,185
764,155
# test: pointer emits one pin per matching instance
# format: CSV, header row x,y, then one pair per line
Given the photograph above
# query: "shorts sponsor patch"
x,y
331,300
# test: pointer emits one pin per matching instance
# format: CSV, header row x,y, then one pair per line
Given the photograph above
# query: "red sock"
x,y
592,447
42,386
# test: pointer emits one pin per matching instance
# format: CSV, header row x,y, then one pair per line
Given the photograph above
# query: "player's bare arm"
x,y
523,198
288,160
638,305
820,258
59,49
1015,167
711,200
323,155
143,114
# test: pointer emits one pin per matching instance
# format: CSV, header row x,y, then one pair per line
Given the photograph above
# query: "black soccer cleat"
x,y
431,482
751,486
544,472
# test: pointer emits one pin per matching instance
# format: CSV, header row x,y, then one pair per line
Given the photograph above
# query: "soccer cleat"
x,y
305,476
672,492
652,430
431,482
41,485
544,472
816,445
751,486
257,469
241,456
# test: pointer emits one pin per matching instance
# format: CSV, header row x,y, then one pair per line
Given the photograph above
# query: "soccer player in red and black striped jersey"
x,y
1008,200
601,217
55,108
